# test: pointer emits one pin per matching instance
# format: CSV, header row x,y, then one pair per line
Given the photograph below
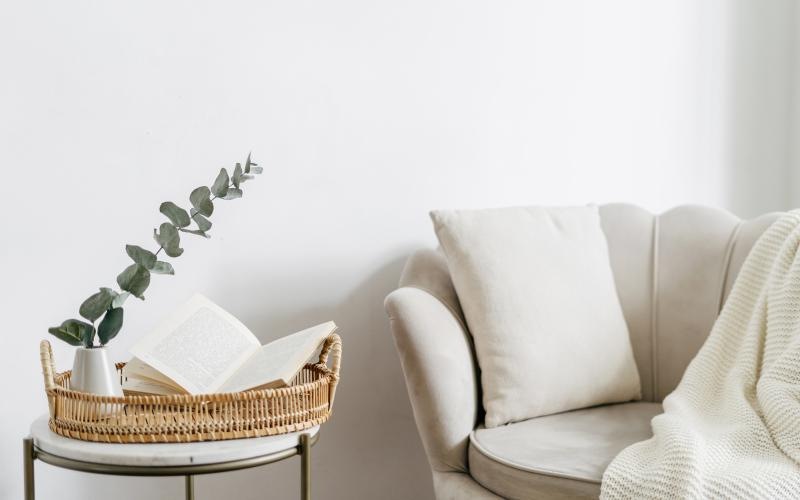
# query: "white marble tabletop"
x,y
161,454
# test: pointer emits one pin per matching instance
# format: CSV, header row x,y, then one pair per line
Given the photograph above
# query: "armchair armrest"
x,y
438,362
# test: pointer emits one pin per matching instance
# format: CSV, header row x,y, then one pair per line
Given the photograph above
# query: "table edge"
x,y
168,470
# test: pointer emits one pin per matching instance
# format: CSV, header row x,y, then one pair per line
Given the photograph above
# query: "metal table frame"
x,y
31,453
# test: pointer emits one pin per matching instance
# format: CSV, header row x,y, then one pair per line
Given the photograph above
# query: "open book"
x,y
201,349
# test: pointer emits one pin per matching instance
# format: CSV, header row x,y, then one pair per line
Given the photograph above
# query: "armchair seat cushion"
x,y
557,456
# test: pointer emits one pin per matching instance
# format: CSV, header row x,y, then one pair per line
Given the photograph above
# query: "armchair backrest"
x,y
673,272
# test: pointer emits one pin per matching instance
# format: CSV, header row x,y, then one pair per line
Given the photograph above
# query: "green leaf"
x,y
233,193
247,164
220,186
203,224
74,332
135,279
120,299
237,175
162,268
256,170
139,255
246,178
175,214
201,201
110,326
94,307
196,231
169,239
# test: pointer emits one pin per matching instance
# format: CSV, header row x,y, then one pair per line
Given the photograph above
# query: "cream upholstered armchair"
x,y
672,272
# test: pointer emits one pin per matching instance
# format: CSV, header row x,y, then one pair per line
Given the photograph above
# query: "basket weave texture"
x,y
306,402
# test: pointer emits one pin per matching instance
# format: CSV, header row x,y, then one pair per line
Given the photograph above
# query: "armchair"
x,y
672,272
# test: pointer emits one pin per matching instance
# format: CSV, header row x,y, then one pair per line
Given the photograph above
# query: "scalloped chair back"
x,y
673,272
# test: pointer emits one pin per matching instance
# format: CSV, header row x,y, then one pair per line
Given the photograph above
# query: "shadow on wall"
x,y
758,140
371,435
376,433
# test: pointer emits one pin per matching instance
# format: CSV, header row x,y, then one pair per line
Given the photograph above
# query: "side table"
x,y
165,459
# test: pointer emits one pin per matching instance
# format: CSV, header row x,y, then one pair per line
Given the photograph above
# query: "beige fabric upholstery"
x,y
672,273
441,376
629,231
517,484
458,486
565,453
427,270
692,250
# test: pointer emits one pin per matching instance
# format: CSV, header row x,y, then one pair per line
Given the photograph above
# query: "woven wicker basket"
x,y
306,402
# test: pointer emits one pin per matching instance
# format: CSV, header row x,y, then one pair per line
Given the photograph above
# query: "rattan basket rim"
x,y
331,347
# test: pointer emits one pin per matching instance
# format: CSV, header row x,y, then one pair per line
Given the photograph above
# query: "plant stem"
x,y
192,217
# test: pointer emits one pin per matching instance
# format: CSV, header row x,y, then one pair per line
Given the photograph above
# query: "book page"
x,y
276,363
198,347
138,369
135,386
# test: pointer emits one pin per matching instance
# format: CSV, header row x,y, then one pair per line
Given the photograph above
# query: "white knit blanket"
x,y
731,429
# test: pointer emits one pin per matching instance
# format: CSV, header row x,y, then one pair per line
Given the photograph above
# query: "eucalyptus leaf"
x,y
94,307
245,178
196,232
74,332
134,279
256,170
139,255
220,186
175,214
169,239
110,326
233,193
237,175
162,268
203,224
120,299
201,201
247,164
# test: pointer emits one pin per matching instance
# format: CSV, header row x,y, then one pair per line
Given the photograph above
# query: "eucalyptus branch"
x,y
135,279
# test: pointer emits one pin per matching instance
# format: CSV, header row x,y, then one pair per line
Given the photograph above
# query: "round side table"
x,y
165,459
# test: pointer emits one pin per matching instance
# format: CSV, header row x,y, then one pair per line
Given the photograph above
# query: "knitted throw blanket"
x,y
731,429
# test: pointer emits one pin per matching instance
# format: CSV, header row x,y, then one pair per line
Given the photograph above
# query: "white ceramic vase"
x,y
93,372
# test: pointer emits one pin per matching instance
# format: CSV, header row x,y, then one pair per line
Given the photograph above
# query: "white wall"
x,y
366,115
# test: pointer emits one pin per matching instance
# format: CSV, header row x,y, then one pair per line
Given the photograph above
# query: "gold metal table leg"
x,y
189,487
27,464
305,467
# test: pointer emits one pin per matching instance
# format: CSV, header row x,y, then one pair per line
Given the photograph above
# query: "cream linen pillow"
x,y
539,298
